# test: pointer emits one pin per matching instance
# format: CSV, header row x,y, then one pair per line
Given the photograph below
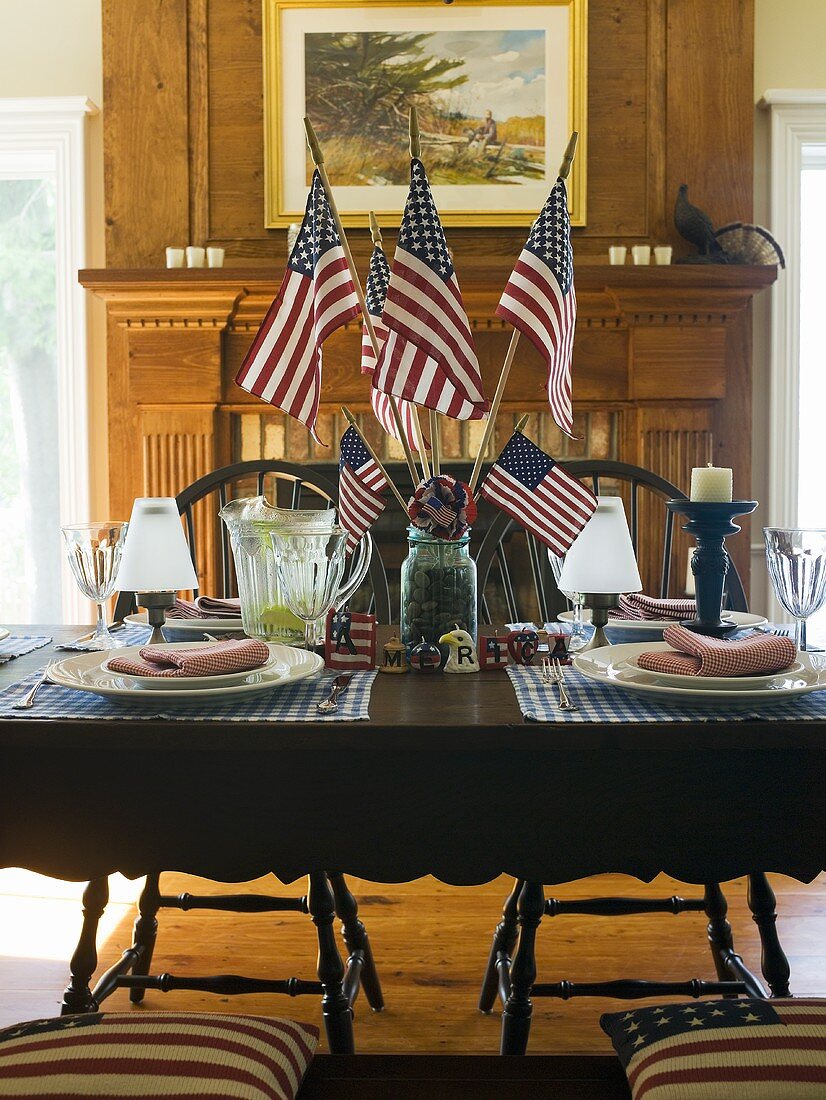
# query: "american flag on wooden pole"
x,y
360,484
316,296
539,299
378,279
428,356
538,493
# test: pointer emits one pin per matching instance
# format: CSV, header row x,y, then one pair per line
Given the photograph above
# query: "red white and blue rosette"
x,y
442,507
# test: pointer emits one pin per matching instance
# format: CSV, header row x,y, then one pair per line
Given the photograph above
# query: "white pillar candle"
x,y
215,257
174,257
195,256
710,483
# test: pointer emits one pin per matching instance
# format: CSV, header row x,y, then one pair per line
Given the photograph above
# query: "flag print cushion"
x,y
696,655
156,1054
723,1050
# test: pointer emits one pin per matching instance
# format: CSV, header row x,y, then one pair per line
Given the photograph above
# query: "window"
x,y
44,472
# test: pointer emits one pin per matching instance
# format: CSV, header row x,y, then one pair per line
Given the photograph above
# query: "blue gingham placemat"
x,y
604,703
131,634
16,645
296,703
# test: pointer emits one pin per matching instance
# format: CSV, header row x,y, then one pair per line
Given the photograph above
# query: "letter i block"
x,y
492,652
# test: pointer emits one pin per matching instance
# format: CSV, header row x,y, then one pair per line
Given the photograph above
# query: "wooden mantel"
x,y
662,371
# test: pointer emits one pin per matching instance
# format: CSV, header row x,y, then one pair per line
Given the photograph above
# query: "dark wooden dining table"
x,y
444,779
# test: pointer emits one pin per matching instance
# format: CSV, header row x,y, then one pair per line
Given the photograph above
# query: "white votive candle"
x,y
711,483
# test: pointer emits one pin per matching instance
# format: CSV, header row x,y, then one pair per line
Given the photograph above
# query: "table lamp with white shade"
x,y
156,563
601,565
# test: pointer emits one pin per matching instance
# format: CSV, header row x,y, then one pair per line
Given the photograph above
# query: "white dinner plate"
x,y
168,683
742,619
725,683
192,626
85,672
613,665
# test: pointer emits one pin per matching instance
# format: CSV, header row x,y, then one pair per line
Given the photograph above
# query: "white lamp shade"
x,y
601,559
155,554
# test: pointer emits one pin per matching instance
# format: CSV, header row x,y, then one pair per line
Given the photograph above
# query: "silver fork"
x,y
564,698
551,674
340,685
28,699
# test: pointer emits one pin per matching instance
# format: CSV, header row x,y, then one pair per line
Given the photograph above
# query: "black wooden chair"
x,y
288,486
525,592
515,579
284,484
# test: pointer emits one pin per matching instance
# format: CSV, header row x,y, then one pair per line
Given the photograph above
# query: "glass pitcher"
x,y
250,522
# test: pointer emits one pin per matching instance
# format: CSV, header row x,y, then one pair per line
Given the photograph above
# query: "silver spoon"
x,y
340,685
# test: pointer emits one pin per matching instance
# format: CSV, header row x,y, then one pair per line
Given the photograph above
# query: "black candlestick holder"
x,y
710,522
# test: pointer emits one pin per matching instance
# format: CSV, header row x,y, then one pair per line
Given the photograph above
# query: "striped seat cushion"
x,y
723,1050
156,1054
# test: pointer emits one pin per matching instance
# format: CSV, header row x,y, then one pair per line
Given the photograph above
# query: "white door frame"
x,y
52,131
798,118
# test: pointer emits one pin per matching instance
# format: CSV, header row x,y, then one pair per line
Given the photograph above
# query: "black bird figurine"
x,y
695,226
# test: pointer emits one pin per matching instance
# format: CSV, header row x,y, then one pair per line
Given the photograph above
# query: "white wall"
x,y
789,53
54,48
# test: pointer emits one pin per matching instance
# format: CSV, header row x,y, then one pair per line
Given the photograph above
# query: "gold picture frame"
x,y
478,177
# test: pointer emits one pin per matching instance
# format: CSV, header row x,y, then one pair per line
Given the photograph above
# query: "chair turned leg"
x,y
335,1008
78,996
504,941
145,932
516,1017
720,936
356,939
763,905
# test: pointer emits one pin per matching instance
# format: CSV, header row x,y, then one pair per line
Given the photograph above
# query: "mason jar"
x,y
438,588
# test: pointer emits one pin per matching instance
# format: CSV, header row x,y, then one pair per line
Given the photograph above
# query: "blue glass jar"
x,y
438,587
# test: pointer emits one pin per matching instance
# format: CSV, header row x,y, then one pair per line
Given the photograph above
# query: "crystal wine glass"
x,y
94,551
578,635
310,569
796,560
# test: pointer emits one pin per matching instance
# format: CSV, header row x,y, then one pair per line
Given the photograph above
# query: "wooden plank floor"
x,y
430,941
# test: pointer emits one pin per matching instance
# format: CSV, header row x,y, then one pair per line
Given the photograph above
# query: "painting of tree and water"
x,y
480,97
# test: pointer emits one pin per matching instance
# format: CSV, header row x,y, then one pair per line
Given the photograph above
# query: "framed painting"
x,y
498,87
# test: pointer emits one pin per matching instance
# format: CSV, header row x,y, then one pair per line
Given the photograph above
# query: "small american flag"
x,y
378,279
360,483
539,493
539,299
317,296
428,356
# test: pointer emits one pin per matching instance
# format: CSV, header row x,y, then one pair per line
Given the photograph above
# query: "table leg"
x,y
78,996
763,905
356,939
335,1008
516,1017
504,941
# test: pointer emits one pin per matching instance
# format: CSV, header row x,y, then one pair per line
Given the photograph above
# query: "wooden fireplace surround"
x,y
668,350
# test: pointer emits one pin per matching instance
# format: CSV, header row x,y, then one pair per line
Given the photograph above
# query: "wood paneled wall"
x,y
669,101
663,354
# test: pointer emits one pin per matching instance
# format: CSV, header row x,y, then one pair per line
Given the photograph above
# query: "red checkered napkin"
x,y
637,606
213,660
205,607
700,656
